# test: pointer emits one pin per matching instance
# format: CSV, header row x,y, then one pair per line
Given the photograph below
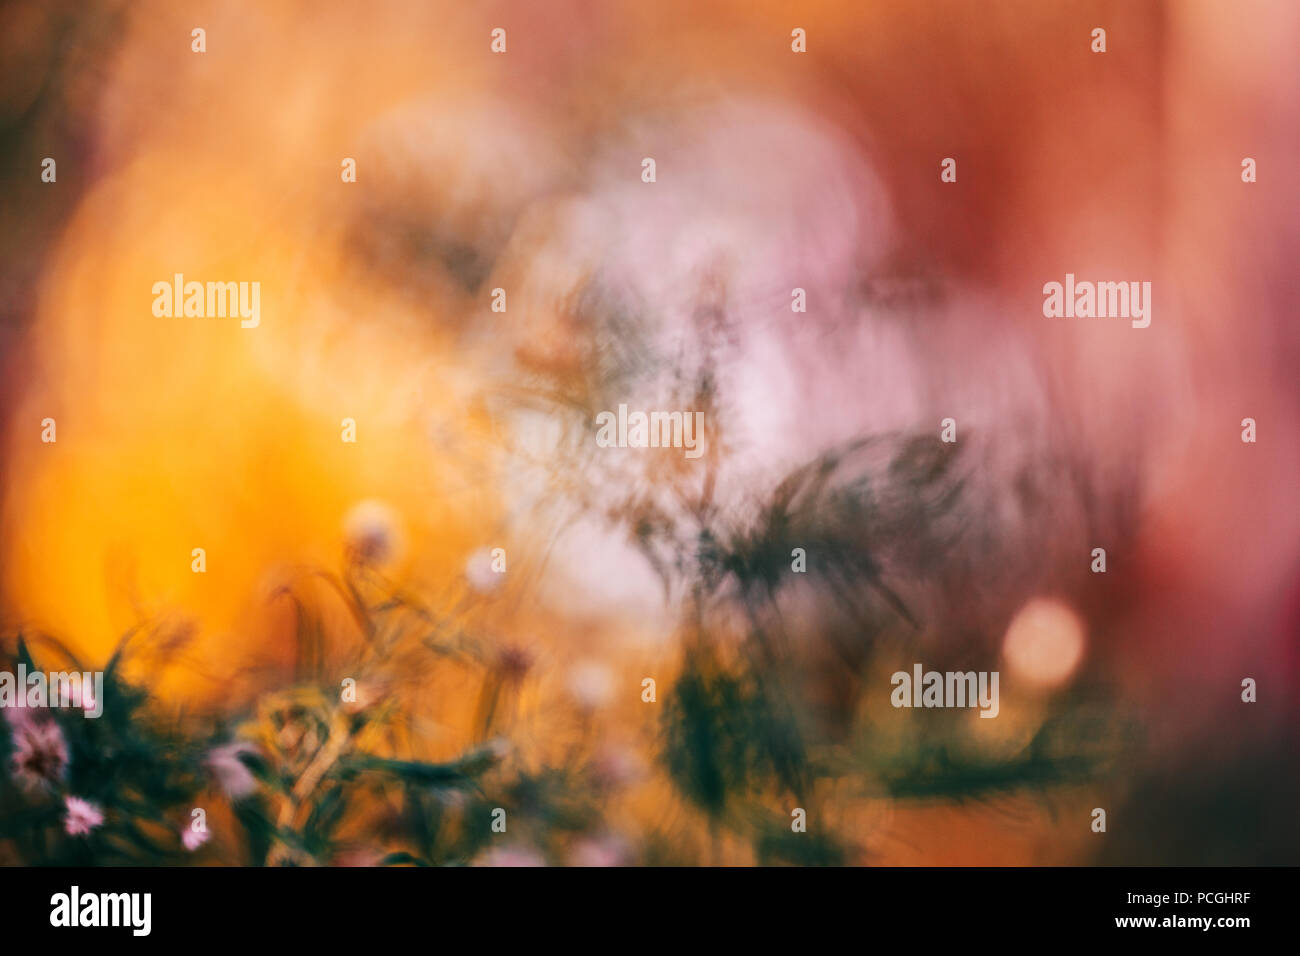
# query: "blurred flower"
x,y
89,702
83,816
192,839
40,757
82,696
1044,642
16,717
511,856
358,856
451,799
513,663
591,684
614,767
232,773
371,532
606,850
479,573
368,692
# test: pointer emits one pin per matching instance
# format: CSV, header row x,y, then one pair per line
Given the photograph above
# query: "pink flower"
x,y
614,767
83,816
40,757
192,839
600,851
511,857
89,702
17,717
232,774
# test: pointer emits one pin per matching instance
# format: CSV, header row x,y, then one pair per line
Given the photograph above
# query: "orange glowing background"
x,y
182,433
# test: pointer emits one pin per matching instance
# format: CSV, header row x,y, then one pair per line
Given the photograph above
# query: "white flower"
x,y
232,774
479,573
591,684
372,532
